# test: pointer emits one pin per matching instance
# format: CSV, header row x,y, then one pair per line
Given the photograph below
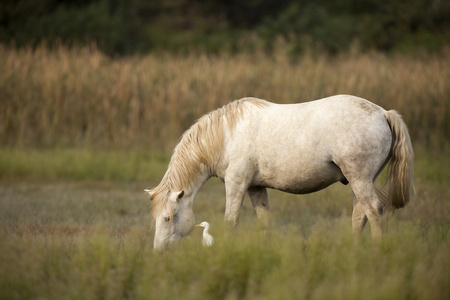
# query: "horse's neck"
x,y
193,162
198,181
193,183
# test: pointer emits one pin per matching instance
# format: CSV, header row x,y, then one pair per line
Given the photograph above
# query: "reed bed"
x,y
79,97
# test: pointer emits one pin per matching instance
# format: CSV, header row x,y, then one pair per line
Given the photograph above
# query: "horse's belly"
x,y
304,187
295,180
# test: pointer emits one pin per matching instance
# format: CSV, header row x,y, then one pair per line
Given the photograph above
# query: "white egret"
x,y
208,240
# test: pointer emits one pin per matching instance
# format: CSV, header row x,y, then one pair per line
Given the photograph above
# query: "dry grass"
x,y
79,97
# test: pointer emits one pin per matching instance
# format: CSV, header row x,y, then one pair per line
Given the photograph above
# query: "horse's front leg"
x,y
235,193
260,202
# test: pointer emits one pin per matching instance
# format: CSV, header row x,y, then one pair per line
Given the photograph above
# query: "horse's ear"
x,y
150,192
176,196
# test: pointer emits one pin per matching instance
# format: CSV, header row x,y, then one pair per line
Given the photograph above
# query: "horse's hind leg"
x,y
368,202
260,202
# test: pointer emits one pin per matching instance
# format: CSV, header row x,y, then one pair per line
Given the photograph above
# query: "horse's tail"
x,y
401,170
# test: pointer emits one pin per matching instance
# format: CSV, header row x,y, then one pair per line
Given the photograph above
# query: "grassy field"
x,y
66,237
81,136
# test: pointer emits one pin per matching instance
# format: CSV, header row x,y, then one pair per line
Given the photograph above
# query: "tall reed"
x,y
80,97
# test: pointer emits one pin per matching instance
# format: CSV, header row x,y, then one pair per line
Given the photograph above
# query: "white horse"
x,y
252,145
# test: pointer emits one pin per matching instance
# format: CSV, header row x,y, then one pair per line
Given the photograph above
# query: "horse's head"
x,y
173,217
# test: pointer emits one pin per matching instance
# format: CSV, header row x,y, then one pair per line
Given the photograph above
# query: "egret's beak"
x,y
198,225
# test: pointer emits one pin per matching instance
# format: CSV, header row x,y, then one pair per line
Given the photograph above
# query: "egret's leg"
x,y
260,202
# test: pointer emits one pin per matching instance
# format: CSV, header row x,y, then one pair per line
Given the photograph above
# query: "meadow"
x,y
83,134
91,239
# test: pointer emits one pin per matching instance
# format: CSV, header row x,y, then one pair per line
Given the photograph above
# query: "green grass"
x,y
66,233
81,164
143,165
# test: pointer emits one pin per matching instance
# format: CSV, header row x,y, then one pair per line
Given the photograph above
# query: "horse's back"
x,y
335,122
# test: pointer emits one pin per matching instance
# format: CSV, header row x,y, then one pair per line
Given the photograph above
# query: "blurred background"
x,y
122,27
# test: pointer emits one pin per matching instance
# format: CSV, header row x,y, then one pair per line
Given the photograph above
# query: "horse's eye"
x,y
167,219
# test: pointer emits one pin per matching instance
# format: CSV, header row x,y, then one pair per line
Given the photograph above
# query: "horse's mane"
x,y
199,146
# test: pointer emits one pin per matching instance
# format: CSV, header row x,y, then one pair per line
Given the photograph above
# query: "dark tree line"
x,y
139,26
